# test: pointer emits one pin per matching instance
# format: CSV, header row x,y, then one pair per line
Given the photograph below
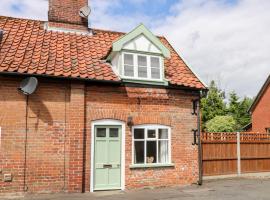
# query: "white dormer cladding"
x,y
139,57
142,44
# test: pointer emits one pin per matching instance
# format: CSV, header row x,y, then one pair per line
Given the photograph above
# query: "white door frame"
x,y
108,122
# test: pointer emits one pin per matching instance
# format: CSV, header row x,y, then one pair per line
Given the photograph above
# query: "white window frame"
x,y
151,127
148,59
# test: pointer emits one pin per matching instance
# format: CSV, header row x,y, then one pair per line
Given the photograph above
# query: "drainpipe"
x,y
203,93
199,143
25,187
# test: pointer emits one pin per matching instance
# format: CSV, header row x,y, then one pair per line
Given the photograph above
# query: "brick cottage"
x,y
110,111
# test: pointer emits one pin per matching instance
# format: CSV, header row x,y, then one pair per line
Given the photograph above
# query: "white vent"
x,y
7,177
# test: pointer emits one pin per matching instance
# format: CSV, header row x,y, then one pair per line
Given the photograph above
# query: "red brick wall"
x,y
12,115
59,142
45,151
261,114
148,106
76,137
67,11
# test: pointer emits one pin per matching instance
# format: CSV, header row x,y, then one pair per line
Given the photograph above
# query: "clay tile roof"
x,y
28,48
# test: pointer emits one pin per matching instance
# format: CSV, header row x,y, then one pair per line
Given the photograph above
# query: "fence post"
x,y
238,155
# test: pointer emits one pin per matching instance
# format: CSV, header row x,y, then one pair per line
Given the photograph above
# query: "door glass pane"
x,y
151,153
139,152
101,132
139,133
151,133
162,133
114,132
163,151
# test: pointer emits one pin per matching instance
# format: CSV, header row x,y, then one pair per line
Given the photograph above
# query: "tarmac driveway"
x,y
233,189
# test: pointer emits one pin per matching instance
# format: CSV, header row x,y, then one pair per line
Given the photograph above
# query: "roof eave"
x,y
62,77
259,95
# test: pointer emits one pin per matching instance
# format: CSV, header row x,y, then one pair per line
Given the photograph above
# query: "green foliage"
x,y
221,124
244,117
238,110
214,105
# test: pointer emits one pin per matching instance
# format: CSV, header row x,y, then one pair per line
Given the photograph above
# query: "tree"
x,y
213,105
238,110
244,116
221,124
233,104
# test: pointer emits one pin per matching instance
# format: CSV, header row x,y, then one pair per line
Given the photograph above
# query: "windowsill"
x,y
145,81
134,166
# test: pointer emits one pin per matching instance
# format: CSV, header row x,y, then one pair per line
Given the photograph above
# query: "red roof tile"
x,y
28,48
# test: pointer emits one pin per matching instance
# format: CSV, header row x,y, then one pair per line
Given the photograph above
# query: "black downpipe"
x,y
200,181
25,188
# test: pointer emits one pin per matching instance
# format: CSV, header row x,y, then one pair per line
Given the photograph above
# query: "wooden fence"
x,y
232,153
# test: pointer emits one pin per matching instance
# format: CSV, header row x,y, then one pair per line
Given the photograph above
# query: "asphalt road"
x,y
233,189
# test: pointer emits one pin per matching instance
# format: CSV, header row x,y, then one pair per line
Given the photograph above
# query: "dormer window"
x,y
139,66
129,65
155,68
138,57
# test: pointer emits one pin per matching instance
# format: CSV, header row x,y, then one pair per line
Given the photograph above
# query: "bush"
x,y
221,124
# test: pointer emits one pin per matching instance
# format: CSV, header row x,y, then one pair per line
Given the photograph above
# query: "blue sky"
x,y
224,40
160,8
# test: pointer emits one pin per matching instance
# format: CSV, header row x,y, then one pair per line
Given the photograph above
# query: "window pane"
x,y
142,72
151,133
162,133
142,61
163,151
113,132
101,132
139,152
128,59
139,133
129,70
151,152
155,73
155,62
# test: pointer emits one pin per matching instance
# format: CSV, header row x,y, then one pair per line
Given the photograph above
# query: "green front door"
x,y
107,166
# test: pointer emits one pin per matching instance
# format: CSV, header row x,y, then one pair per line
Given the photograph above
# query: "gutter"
x,y
120,82
61,77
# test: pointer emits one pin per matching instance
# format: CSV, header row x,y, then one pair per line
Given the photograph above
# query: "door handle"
x,y
107,166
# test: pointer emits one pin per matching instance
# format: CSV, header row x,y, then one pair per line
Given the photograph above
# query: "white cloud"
x,y
223,41
30,9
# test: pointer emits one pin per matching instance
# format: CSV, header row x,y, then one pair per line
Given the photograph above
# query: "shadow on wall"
x,y
40,104
37,110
